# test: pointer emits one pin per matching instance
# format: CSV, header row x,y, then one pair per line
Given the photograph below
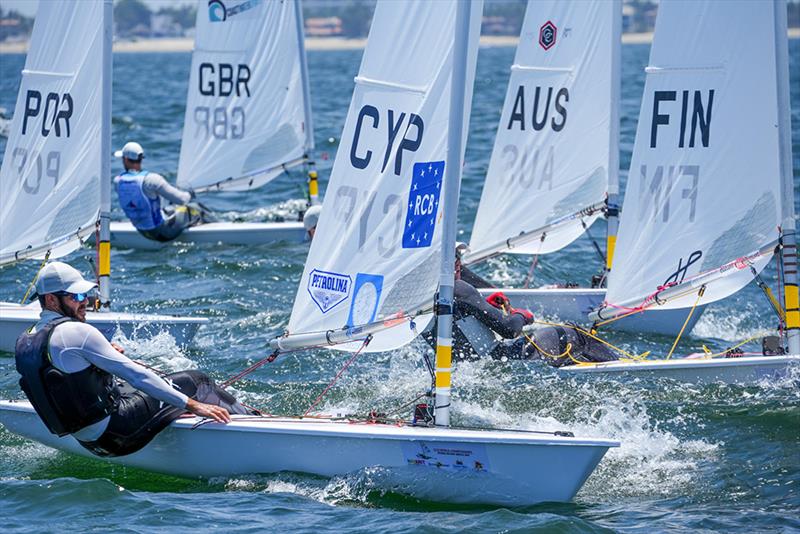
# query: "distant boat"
x,y
53,194
710,197
554,168
366,274
248,116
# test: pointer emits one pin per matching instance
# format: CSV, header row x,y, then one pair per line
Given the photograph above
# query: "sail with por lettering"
x,y
247,110
556,147
376,254
50,178
703,201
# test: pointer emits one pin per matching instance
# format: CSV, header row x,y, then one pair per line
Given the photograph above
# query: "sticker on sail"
x,y
547,35
423,204
219,11
444,455
328,289
366,296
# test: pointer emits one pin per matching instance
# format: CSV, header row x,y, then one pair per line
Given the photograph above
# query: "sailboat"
x,y
710,196
554,168
248,116
415,80
53,178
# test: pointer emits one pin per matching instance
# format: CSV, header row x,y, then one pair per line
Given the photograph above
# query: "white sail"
x,y
703,200
376,253
247,113
556,144
50,178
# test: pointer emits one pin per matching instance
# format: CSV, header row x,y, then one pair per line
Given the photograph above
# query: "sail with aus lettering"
x,y
51,175
376,255
248,112
555,155
703,203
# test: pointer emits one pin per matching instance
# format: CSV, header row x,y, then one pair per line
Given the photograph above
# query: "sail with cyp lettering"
x,y
703,200
50,178
376,254
555,153
247,111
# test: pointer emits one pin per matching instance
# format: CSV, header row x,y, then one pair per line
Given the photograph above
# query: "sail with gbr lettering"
x,y
376,255
51,173
555,155
703,200
248,114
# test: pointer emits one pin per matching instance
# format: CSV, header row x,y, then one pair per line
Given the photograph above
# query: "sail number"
x,y
219,122
32,167
217,79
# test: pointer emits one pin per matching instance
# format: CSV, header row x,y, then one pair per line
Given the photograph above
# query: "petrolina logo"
x,y
328,289
219,12
547,35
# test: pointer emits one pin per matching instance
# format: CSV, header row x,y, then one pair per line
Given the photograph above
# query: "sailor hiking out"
x,y
140,193
80,384
492,328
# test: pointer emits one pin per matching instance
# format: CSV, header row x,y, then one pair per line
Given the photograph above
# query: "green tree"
x,y
129,14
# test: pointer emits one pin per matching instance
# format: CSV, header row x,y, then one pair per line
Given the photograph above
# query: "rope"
x,y
35,278
627,354
341,371
691,311
594,242
269,359
529,278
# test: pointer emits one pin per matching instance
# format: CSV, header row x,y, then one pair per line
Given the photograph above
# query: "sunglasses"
x,y
77,297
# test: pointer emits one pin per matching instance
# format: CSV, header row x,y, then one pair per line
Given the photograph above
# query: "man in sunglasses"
x,y
80,384
140,193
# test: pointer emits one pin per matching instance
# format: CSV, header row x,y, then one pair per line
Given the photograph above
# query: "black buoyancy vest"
x,y
66,402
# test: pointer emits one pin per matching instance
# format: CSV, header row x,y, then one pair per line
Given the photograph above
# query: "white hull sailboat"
x,y
123,234
554,166
16,319
434,460
452,465
248,117
713,189
51,187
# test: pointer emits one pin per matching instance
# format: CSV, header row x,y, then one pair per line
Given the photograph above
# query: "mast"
x,y
104,244
301,47
452,185
789,237
612,213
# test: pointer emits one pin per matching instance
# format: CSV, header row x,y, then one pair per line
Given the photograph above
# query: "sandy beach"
x,y
312,43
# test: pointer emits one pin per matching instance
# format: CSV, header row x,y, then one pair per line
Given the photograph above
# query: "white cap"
x,y
57,276
311,217
133,151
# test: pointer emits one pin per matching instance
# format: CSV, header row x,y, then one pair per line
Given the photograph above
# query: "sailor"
x,y
80,384
491,328
140,194
310,220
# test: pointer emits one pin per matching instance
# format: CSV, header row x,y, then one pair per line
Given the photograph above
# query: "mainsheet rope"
x,y
35,278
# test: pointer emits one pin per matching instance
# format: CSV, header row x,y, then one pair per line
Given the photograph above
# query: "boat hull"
x,y
741,370
124,235
516,468
15,319
574,304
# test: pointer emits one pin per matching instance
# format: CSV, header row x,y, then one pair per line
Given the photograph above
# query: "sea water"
x,y
692,457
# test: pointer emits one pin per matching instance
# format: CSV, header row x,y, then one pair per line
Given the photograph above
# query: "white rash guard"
x,y
75,345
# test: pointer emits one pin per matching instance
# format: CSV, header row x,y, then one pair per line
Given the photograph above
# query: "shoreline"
x,y
186,44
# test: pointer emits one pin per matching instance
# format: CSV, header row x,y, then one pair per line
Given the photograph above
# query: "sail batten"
x,y
247,107
704,187
553,152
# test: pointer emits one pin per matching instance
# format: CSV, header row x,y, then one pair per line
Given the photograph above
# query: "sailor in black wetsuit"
x,y
80,384
477,323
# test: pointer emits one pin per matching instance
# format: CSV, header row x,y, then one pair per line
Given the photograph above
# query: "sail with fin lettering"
x,y
703,201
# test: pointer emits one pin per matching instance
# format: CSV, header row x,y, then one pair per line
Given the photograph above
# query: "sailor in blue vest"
x,y
80,384
140,193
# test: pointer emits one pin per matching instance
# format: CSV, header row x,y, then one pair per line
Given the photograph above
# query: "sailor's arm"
x,y
507,326
155,184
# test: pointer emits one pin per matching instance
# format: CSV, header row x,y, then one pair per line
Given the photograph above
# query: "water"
x,y
704,458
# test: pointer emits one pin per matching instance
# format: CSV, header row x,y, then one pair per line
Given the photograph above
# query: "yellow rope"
x,y
709,354
628,355
691,311
642,309
35,277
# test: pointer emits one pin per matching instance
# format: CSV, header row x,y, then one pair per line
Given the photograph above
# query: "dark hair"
x,y
41,301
